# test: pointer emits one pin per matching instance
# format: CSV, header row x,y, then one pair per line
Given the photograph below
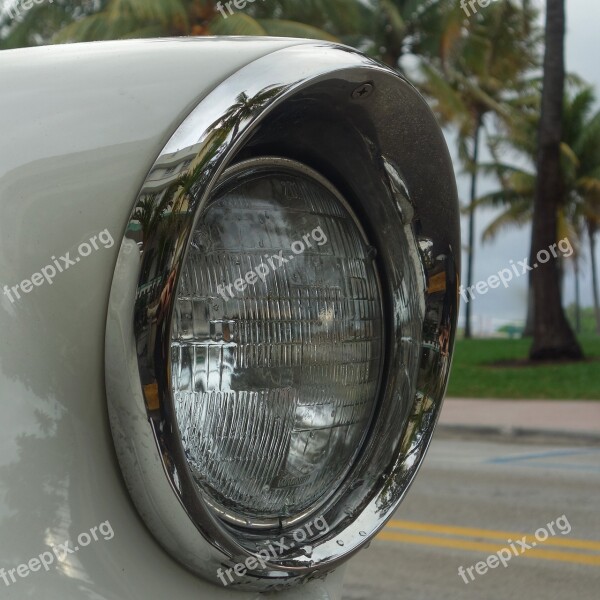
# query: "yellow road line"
x,y
443,542
558,540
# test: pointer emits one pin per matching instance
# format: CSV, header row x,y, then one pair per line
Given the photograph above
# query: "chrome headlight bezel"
x,y
400,183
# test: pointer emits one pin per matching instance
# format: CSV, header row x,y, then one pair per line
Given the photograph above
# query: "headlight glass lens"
x,y
276,344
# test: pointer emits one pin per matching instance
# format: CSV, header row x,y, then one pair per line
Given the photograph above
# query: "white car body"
x,y
80,128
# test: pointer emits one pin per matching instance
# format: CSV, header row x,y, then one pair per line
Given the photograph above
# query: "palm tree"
x,y
580,162
337,17
583,175
385,29
553,337
40,23
478,73
593,226
65,21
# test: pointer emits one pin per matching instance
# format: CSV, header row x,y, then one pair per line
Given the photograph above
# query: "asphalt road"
x,y
469,500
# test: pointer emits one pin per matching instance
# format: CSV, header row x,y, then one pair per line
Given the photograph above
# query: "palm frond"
x,y
283,28
161,11
237,24
517,214
447,102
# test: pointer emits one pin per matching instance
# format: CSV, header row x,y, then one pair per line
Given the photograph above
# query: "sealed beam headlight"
x,y
276,345
282,316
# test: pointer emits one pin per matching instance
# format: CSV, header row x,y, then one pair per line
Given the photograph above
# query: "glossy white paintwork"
x,y
80,126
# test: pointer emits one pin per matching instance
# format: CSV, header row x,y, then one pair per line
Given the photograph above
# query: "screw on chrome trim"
x,y
363,91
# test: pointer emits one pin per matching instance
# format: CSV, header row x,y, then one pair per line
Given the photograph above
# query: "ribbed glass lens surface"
x,y
276,345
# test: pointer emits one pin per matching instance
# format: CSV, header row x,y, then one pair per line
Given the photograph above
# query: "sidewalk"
x,y
577,420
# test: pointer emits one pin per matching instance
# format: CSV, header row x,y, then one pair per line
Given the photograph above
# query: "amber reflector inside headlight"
x,y
276,344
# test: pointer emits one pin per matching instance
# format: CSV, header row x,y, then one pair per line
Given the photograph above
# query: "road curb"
x,y
519,433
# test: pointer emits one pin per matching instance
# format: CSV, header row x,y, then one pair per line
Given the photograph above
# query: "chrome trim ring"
x,y
400,183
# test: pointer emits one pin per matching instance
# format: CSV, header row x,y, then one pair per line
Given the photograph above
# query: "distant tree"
x,y
479,71
511,330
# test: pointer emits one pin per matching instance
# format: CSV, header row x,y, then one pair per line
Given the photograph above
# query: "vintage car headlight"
x,y
275,381
282,316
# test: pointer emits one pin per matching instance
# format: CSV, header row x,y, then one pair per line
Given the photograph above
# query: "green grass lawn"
x,y
474,373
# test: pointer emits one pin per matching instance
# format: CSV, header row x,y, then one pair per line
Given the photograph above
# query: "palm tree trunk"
x,y
553,337
577,296
592,230
471,256
529,319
